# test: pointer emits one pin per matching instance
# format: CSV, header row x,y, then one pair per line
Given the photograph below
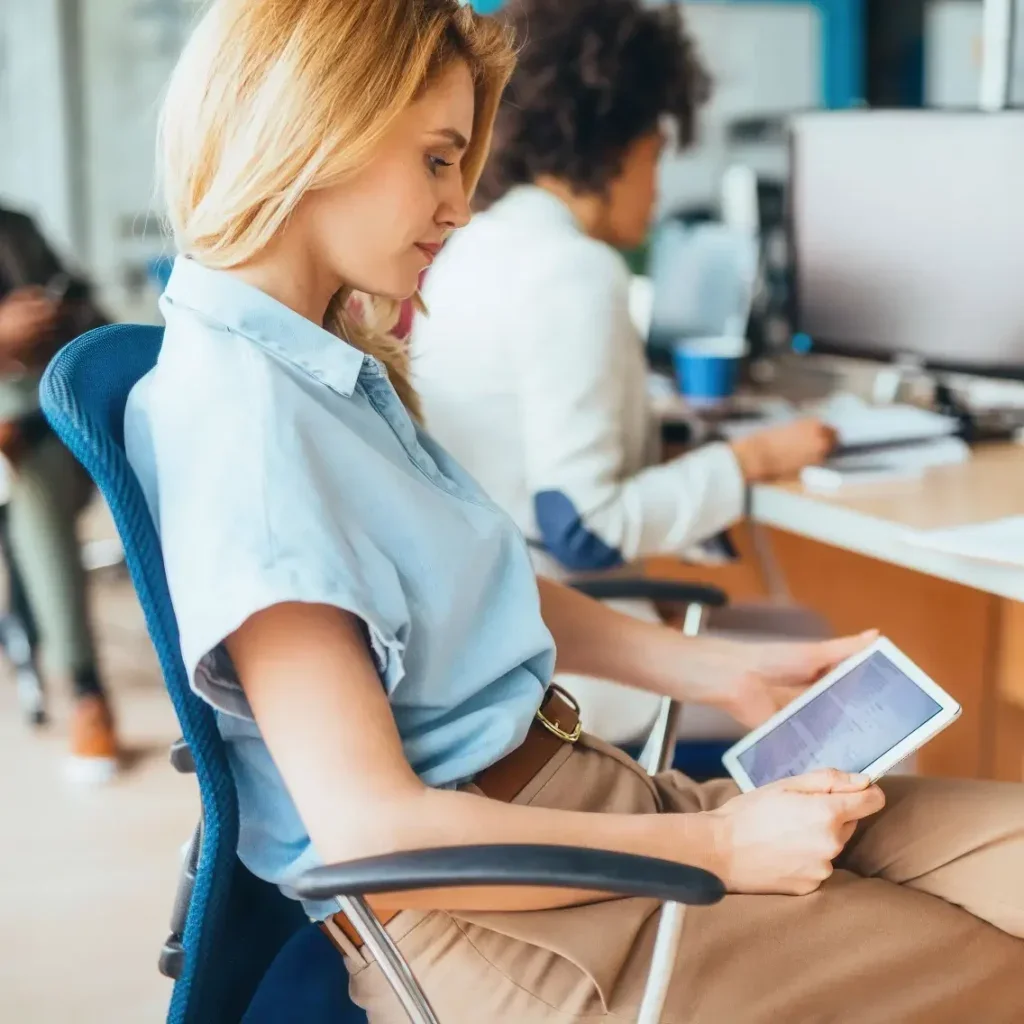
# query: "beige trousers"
x,y
922,923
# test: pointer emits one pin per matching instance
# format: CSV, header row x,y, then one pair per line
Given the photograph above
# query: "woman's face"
x,y
630,196
380,229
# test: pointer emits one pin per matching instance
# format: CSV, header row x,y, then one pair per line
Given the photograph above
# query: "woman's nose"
x,y
454,211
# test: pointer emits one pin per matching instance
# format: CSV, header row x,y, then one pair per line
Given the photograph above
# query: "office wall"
x,y
80,86
36,137
766,59
129,48
953,53
80,83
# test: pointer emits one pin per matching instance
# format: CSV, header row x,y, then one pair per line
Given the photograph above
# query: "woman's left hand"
x,y
754,680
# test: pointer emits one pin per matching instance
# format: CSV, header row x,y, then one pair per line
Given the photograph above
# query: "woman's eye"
x,y
435,163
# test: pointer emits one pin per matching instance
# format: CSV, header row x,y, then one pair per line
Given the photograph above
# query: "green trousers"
x,y
48,490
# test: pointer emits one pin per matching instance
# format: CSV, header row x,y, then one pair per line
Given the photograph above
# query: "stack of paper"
x,y
905,462
1001,540
875,442
860,425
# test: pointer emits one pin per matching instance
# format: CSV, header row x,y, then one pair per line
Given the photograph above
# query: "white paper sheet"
x,y
861,424
856,422
1001,540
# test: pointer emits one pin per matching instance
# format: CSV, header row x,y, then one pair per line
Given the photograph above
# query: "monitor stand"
x,y
905,370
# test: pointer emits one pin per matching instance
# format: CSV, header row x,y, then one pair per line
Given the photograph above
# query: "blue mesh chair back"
x,y
236,924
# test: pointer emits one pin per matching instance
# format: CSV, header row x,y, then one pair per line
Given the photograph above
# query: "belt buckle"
x,y
554,726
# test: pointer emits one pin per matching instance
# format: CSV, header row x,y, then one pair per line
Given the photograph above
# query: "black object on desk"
x,y
677,432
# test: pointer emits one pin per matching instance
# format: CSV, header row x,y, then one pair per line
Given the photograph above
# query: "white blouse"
x,y
533,376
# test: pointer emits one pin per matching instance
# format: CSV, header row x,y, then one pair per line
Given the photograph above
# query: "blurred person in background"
x,y
529,367
42,306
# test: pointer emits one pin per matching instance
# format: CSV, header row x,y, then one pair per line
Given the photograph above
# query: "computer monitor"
x,y
907,236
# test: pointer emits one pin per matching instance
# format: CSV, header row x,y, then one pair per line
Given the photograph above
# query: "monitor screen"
x,y
907,236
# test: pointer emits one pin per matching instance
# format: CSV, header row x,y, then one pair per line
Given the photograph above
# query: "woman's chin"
x,y
400,289
399,285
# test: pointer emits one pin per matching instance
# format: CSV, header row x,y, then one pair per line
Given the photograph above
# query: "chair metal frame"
x,y
657,757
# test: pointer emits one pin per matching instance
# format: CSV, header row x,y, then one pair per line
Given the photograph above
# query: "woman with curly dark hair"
x,y
529,366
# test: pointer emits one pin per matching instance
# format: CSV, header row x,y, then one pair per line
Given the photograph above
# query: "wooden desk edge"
x,y
829,523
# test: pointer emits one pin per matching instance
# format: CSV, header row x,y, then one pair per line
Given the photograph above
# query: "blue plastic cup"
x,y
708,369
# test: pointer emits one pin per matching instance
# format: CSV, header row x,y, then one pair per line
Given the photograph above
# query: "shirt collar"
x,y
531,201
242,308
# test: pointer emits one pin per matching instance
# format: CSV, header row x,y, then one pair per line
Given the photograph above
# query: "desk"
x,y
872,519
963,621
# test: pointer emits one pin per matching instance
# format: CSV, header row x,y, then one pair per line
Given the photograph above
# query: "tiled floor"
x,y
87,877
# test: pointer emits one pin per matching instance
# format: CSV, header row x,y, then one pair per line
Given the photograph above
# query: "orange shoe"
x,y
94,749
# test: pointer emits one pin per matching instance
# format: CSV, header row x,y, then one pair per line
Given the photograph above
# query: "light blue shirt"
x,y
279,465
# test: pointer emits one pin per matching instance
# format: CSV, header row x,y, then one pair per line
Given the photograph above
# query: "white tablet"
x,y
865,716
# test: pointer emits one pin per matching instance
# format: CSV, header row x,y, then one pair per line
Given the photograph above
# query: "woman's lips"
x,y
428,250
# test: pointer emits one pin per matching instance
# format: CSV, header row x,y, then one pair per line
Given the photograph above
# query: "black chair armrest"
x,y
566,867
611,587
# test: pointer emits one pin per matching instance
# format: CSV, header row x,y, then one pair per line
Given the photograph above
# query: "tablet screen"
x,y
848,726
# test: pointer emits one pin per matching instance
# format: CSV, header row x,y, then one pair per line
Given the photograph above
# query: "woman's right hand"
x,y
779,453
783,838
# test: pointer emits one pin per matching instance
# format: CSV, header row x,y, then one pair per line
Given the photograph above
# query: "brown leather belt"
x,y
557,722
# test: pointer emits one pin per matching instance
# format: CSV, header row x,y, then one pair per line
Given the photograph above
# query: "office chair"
x,y
228,926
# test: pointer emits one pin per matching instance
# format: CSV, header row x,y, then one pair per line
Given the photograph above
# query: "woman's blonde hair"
x,y
273,98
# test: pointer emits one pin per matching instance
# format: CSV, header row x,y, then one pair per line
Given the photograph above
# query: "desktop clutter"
x,y
920,343
876,443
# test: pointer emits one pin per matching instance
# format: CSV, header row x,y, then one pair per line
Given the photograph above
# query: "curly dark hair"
x,y
593,77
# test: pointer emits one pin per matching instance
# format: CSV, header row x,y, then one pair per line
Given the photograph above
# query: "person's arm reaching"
x,y
748,681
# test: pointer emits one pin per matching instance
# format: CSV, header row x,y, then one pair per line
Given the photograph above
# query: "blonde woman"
x,y
368,625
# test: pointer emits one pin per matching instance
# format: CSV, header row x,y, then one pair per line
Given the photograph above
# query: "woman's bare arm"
x,y
595,640
749,681
323,712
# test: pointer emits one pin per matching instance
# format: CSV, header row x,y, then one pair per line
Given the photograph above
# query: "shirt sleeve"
x,y
244,526
589,512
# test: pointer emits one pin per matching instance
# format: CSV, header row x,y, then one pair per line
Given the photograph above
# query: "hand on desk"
x,y
779,453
